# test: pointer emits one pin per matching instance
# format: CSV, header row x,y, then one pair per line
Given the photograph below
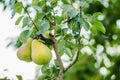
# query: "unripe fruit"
x,y
24,52
41,54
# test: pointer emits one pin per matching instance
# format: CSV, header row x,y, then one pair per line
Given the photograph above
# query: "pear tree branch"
x,y
30,18
77,54
60,63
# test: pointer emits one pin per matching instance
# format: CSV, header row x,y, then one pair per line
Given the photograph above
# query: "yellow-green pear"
x,y
41,54
24,52
46,34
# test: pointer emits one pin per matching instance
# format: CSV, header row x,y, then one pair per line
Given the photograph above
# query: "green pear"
x,y
24,52
41,54
46,34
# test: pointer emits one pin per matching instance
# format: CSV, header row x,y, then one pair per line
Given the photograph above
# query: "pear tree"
x,y
56,27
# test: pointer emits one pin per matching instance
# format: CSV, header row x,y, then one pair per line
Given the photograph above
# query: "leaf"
x,y
18,7
65,1
98,25
24,36
18,20
43,27
13,14
97,14
58,19
83,22
38,8
68,52
45,69
54,3
40,15
61,47
19,77
70,11
26,21
35,2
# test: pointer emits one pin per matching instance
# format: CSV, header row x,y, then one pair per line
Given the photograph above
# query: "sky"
x,y
8,58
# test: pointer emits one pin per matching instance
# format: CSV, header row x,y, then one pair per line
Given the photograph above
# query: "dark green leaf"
x,y
18,20
98,25
18,7
54,3
24,36
66,1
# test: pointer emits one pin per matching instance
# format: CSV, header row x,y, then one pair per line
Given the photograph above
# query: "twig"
x,y
77,54
30,18
73,62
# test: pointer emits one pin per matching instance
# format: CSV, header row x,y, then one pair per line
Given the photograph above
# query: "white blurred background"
x,y
8,58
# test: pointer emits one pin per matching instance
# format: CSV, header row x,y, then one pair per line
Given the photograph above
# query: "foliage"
x,y
66,20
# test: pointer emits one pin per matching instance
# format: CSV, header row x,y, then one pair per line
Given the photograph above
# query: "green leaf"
x,y
43,27
56,62
54,3
26,21
24,36
37,8
61,47
19,77
58,19
18,20
40,15
18,7
68,52
94,31
98,25
45,69
35,2
97,14
71,12
66,1
85,24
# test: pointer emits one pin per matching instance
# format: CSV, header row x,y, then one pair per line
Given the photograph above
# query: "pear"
x,y
41,54
24,52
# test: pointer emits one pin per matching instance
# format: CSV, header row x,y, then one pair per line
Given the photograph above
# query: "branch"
x,y
60,63
30,18
74,61
77,54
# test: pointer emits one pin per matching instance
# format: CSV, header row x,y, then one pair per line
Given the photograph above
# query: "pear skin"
x,y
24,52
41,54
